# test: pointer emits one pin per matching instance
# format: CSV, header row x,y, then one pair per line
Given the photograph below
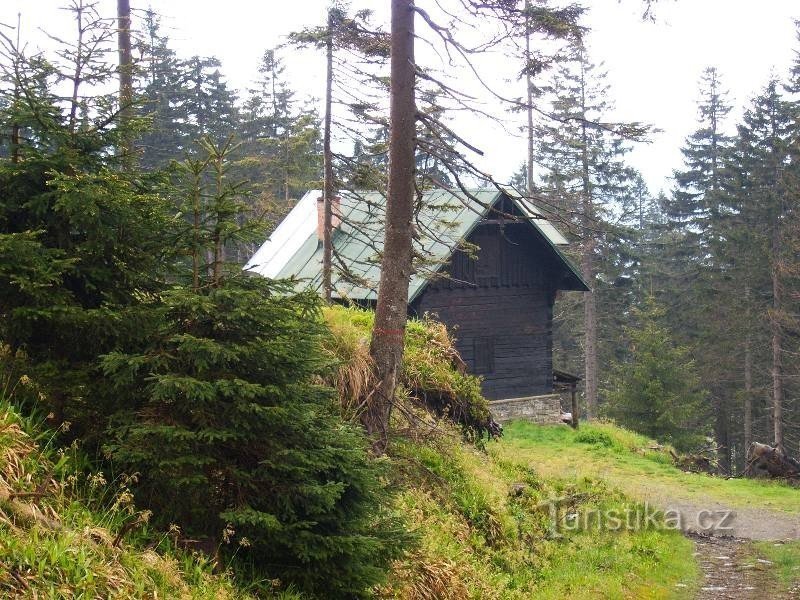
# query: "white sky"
x,y
653,68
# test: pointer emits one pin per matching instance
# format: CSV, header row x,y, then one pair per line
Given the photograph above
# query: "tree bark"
x,y
590,333
196,223
587,268
125,73
216,237
327,227
722,435
748,389
777,347
529,83
386,347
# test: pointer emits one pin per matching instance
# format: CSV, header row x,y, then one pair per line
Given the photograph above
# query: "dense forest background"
x,y
716,254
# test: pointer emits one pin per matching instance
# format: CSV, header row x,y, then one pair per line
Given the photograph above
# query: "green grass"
x,y
626,461
786,561
76,551
486,532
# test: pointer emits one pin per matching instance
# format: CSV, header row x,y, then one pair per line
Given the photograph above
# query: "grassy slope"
x,y
481,517
476,539
485,533
786,560
71,550
622,459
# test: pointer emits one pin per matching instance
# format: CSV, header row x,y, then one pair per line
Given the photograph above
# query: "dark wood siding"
x,y
499,303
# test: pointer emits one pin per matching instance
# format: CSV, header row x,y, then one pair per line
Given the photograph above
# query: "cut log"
x,y
766,461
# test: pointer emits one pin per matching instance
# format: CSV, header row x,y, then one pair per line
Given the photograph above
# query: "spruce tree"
x,y
183,99
585,178
765,189
282,139
655,389
234,438
161,99
696,260
84,242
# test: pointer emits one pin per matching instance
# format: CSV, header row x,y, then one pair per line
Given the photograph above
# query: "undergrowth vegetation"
x,y
65,534
635,464
434,377
494,528
481,524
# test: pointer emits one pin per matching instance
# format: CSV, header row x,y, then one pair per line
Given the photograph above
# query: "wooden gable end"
x,y
498,299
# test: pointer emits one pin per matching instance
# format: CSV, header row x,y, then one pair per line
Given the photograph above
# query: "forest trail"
x,y
710,518
732,570
746,532
732,566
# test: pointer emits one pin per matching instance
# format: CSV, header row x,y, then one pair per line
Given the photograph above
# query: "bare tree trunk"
x,y
286,194
721,435
125,71
748,389
15,126
590,333
587,269
777,348
529,82
196,222
386,347
219,245
327,227
77,76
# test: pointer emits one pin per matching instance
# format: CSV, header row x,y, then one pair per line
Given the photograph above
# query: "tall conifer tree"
x,y
586,175
698,215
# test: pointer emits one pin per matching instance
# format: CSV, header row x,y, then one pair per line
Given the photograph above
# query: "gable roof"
x,y
444,221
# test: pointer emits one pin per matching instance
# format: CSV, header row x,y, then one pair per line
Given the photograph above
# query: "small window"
x,y
484,355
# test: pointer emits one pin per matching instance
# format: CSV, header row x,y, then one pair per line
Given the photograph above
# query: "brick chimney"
x,y
336,218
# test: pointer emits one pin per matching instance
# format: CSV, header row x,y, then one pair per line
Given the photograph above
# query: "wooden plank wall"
x,y
500,307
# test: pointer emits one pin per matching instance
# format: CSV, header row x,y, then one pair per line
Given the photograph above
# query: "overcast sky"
x,y
653,67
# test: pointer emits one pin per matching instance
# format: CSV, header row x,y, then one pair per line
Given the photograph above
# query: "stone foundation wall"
x,y
545,410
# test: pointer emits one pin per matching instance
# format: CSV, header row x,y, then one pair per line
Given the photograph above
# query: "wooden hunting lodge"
x,y
490,267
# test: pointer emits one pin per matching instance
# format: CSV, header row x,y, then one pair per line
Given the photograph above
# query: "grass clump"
x,y
785,557
434,377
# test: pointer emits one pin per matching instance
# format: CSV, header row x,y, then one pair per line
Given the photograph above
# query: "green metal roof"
x,y
444,220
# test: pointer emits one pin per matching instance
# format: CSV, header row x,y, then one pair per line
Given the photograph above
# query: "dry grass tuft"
x,y
353,376
52,545
433,379
15,448
423,577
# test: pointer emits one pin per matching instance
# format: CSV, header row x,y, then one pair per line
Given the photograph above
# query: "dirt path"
x,y
731,571
725,519
723,548
716,519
